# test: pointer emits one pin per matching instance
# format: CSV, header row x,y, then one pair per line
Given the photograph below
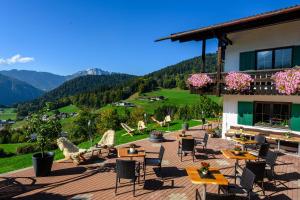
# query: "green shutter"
x,y
296,56
247,61
245,113
295,117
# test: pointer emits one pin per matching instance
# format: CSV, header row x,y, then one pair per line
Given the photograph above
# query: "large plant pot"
x,y
42,165
185,126
156,138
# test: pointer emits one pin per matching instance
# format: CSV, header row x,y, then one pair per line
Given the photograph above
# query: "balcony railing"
x,y
262,85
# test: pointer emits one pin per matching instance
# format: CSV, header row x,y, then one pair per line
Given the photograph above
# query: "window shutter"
x,y
296,56
245,113
247,61
295,117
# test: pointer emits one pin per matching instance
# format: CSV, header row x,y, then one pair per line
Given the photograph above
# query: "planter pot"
x,y
42,165
185,126
156,138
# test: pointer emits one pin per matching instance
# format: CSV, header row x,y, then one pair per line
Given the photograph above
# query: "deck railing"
x,y
262,85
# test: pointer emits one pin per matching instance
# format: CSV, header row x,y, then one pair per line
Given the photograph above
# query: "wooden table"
x,y
230,155
219,179
123,153
244,142
280,138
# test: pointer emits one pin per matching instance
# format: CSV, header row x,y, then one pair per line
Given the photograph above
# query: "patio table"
x,y
279,138
215,177
244,142
243,156
123,152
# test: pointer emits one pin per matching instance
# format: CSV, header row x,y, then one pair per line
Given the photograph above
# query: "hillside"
x,y
42,80
14,91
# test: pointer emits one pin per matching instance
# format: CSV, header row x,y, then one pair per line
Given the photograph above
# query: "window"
x,y
283,58
274,58
264,59
272,114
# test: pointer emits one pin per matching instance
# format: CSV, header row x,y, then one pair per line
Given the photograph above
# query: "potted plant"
x,y
237,150
238,82
204,168
132,148
287,81
45,130
156,136
287,134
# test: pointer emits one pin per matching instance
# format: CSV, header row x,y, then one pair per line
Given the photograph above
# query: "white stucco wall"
x,y
280,35
230,107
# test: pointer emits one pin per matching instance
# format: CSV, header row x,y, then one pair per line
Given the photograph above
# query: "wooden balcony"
x,y
262,85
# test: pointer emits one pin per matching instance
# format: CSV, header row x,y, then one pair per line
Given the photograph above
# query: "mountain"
x,y
92,71
47,81
42,80
14,91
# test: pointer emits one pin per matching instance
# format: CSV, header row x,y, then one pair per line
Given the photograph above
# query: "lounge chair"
x,y
129,130
141,126
161,123
71,151
107,142
168,119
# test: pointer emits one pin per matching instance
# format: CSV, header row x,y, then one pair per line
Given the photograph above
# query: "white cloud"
x,y
15,59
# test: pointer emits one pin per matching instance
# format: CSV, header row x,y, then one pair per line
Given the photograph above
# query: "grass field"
x,y
22,161
69,109
173,97
8,113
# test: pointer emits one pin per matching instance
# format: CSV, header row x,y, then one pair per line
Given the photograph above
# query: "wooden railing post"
x,y
203,56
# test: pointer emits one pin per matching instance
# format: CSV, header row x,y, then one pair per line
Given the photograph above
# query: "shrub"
x,y
108,119
184,113
4,154
28,148
15,137
137,114
85,124
161,112
22,138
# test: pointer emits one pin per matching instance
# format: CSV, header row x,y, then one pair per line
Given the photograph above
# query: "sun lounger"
x,y
161,123
107,142
141,126
129,130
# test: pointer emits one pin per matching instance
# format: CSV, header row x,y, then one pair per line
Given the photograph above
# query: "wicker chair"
x,y
127,169
244,189
259,169
202,142
154,161
187,146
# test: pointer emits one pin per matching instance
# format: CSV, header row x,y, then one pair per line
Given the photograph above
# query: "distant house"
x,y
124,104
157,98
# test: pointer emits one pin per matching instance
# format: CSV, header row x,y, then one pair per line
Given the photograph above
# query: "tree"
x,y
108,119
85,125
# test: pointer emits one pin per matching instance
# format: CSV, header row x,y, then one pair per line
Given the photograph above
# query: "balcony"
x,y
262,85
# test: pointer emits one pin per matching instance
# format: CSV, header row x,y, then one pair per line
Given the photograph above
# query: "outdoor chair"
x,y
271,161
107,142
206,124
202,142
71,151
262,151
129,130
168,119
213,196
244,189
187,146
259,169
141,126
260,139
161,123
127,169
157,161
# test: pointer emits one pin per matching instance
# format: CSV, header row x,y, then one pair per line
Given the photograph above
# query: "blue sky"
x,y
62,37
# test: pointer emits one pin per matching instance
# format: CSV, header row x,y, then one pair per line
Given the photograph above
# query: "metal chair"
x,y
187,146
262,151
259,169
271,161
202,142
154,161
244,189
127,169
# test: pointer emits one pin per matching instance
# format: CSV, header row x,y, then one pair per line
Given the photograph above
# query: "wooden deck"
x,y
96,179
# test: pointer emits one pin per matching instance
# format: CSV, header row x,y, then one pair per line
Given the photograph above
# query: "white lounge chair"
x,y
168,119
141,126
161,123
128,129
107,142
71,151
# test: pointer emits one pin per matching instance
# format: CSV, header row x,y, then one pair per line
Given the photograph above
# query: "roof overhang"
x,y
220,30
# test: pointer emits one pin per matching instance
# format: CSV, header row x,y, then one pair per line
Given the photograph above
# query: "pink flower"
x,y
238,81
199,80
287,82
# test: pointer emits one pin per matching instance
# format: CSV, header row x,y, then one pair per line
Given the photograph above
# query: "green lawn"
x,y
8,113
22,161
69,109
176,97
11,148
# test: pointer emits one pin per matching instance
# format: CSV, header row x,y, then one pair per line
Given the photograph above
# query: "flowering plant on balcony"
x,y
288,81
238,81
199,80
